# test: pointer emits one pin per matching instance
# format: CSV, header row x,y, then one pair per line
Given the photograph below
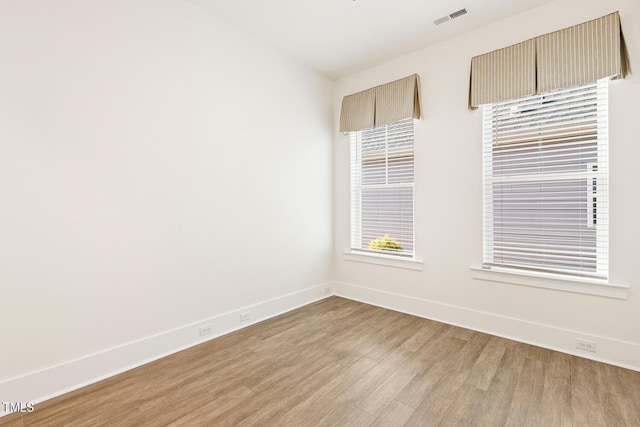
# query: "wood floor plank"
x,y
346,415
559,364
525,404
362,388
459,366
423,383
175,405
314,408
395,414
356,418
425,331
393,335
262,407
387,391
613,411
117,417
586,400
464,407
497,401
369,385
213,408
610,380
629,409
341,362
430,412
461,333
630,381
11,420
276,409
486,365
556,399
536,353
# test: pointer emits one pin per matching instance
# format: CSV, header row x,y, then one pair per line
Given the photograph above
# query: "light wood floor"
x,y
340,362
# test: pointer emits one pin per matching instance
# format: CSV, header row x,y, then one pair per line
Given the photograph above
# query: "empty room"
x,y
316,213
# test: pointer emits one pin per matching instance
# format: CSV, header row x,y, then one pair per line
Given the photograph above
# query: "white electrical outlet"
x,y
206,330
585,345
245,315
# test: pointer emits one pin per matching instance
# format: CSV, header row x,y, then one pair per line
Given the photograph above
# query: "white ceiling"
x,y
339,37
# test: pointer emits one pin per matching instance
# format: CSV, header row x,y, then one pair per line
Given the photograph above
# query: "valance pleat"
x,y
581,54
507,73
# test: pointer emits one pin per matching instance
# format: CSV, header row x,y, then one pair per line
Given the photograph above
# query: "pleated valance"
x,y
570,57
507,73
381,105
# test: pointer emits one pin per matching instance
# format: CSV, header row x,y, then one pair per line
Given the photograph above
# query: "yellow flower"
x,y
385,243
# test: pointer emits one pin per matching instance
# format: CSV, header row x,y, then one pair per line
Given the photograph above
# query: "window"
x,y
382,189
545,182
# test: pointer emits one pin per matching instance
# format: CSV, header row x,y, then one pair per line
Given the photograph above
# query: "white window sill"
x,y
551,281
382,259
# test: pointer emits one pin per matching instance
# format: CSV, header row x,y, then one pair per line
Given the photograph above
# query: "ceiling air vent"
x,y
450,16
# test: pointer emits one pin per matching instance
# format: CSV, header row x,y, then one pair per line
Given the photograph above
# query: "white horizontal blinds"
x,y
382,188
545,181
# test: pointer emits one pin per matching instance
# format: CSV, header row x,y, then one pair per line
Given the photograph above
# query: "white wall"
x,y
448,193
157,168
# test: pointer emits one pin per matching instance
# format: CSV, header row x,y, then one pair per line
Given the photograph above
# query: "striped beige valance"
x,y
381,105
569,57
507,73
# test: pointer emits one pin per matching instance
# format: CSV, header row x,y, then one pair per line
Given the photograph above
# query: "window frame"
x,y
598,174
406,258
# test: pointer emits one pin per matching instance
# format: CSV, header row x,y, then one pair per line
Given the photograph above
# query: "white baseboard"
x,y
56,380
611,351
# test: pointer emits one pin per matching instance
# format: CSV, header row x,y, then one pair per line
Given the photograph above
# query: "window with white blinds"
x,y
382,189
546,182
